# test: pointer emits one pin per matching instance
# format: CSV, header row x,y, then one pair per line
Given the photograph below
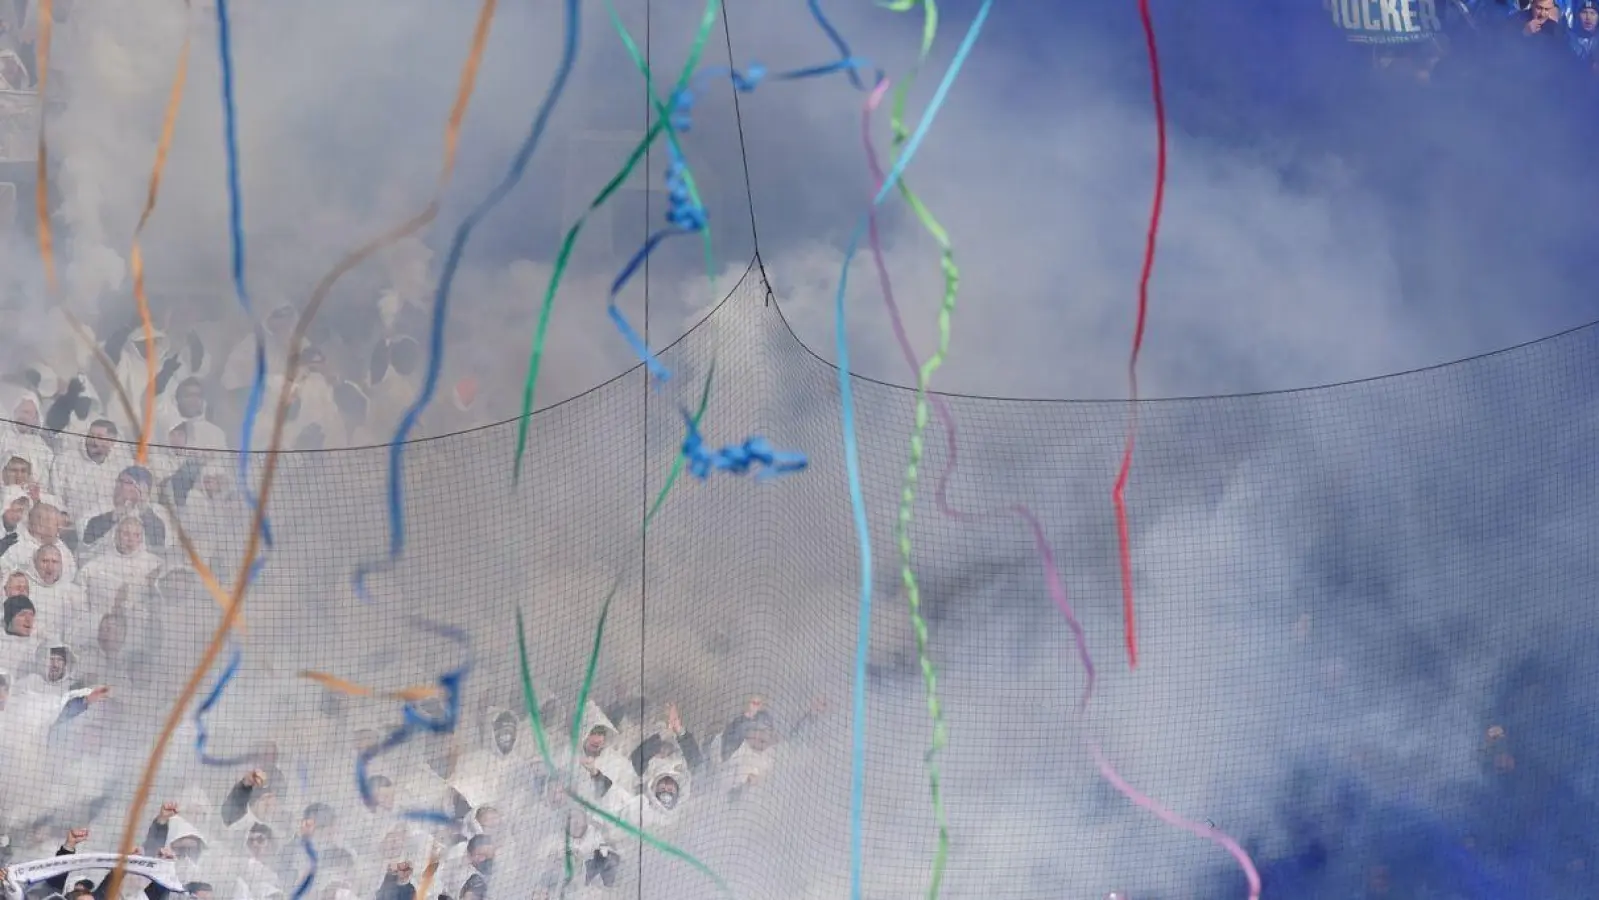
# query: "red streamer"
x,y
1119,494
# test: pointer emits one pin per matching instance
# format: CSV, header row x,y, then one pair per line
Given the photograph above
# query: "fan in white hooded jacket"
x,y
52,673
65,604
125,565
500,772
41,528
85,473
180,836
27,720
173,364
190,407
598,756
658,806
22,435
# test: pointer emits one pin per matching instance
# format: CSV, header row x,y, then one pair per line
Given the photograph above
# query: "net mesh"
x,y
1368,590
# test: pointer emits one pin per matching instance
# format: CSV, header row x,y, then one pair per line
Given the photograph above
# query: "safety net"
x,y
1352,603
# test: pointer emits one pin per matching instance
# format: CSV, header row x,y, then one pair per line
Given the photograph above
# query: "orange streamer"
x,y
163,148
452,140
252,548
207,577
414,694
41,187
427,875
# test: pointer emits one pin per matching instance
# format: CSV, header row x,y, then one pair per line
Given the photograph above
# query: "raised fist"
x,y
168,810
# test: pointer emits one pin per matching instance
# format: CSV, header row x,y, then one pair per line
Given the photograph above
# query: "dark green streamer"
x,y
563,258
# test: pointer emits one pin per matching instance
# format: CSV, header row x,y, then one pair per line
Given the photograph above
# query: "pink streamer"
x,y
1213,835
1046,554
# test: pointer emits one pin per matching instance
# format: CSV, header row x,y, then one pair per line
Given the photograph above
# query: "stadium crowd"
x,y
91,542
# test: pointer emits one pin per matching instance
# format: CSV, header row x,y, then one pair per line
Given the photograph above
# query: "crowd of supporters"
x,y
94,578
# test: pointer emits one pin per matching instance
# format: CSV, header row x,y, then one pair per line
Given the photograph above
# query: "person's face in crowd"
x,y
214,484
44,521
489,819
1545,10
128,491
97,443
130,535
191,401
57,668
482,854
594,743
760,739
281,321
201,895
505,736
27,413
113,634
666,792
383,795
18,471
16,511
16,585
1588,19
187,848
316,363
47,560
22,624
258,844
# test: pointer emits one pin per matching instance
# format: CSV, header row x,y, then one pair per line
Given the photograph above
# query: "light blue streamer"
x,y
852,454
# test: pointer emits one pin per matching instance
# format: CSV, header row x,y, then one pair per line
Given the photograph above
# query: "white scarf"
x,y
160,871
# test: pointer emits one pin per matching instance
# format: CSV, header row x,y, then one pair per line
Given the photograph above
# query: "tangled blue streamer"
x,y
304,887
202,734
737,459
683,215
837,39
441,299
230,140
414,720
852,463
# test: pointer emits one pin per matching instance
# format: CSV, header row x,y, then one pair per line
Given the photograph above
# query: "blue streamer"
x,y
683,215
837,39
414,720
441,299
737,459
202,734
852,462
230,139
304,886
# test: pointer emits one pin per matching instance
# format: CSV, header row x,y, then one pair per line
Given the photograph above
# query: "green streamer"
x,y
564,256
918,445
653,841
707,22
530,696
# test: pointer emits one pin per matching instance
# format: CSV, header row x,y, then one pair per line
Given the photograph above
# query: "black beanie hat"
x,y
15,606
